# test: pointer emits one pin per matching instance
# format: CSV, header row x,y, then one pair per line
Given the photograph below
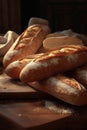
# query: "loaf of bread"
x,y
53,62
80,74
37,20
69,32
65,88
55,34
6,42
27,43
60,41
13,69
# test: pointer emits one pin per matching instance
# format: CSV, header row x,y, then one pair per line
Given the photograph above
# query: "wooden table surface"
x,y
24,108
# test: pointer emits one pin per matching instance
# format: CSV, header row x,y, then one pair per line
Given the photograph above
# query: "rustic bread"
x,y
65,88
27,43
80,74
60,41
53,62
13,69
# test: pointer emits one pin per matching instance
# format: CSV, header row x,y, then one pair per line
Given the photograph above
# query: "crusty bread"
x,y
55,34
64,88
6,42
27,43
13,69
69,32
37,20
56,61
60,41
80,74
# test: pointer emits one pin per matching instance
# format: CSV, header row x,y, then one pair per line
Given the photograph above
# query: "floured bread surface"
x,y
69,82
13,69
64,88
53,62
28,35
27,43
81,74
62,51
55,42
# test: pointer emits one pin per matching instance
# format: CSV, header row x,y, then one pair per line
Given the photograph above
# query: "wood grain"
x,y
15,89
42,115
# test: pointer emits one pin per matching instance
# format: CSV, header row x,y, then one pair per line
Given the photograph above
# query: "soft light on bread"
x,y
80,74
64,88
50,43
13,69
27,43
53,62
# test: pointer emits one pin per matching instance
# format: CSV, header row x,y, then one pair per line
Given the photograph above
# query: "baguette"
x,y
69,32
27,43
80,74
51,43
36,20
64,88
53,62
6,42
13,69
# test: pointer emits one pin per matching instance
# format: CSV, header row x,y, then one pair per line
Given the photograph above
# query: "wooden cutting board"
x,y
33,114
42,115
14,89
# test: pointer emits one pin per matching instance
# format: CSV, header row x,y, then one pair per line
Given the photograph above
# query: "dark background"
x,y
61,14
33,8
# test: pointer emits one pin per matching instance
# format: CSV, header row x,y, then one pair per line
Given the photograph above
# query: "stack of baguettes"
x,y
59,71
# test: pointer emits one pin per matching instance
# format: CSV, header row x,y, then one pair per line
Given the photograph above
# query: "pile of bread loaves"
x,y
55,63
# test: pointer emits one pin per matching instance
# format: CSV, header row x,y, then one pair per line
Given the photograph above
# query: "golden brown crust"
x,y
80,74
27,43
64,88
53,62
13,69
51,43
